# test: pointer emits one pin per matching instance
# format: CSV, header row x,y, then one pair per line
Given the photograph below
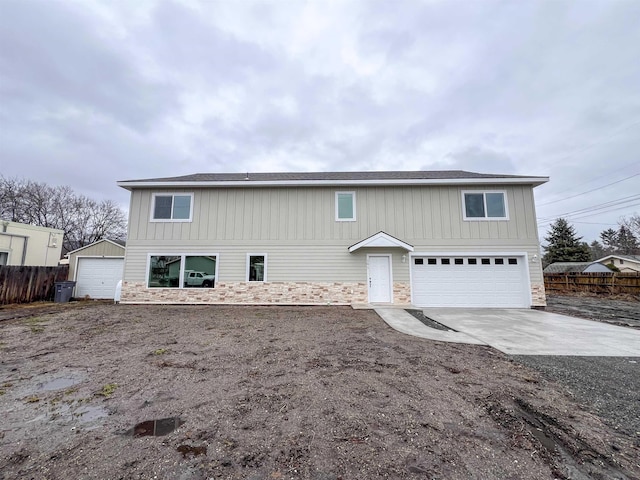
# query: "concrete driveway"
x,y
534,332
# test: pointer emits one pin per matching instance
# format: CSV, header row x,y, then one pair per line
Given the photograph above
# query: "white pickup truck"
x,y
198,279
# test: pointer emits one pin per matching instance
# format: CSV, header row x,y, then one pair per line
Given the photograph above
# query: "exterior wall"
x,y
30,245
304,244
295,293
98,249
294,215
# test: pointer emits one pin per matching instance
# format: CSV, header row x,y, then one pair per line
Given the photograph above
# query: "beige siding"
x,y
292,215
296,227
98,249
43,245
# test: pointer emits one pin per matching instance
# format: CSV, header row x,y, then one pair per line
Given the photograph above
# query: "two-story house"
x,y
429,238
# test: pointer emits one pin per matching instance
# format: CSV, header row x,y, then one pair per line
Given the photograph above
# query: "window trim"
x,y
182,256
266,261
484,199
353,197
170,194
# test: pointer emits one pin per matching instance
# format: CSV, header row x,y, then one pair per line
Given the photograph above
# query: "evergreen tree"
x,y
564,245
597,250
627,243
609,239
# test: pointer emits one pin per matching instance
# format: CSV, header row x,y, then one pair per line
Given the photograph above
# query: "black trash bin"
x,y
64,291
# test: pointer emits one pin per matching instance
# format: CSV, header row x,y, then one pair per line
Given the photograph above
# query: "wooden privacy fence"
x,y
599,283
29,284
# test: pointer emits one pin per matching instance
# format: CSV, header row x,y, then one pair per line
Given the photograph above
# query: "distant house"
x,y
576,267
624,263
29,245
97,268
445,238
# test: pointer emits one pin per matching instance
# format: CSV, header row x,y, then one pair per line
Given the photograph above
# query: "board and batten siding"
x,y
296,228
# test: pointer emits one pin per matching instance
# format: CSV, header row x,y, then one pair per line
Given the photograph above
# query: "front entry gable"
x,y
381,240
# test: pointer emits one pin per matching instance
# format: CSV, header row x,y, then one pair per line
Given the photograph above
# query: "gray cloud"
x,y
93,93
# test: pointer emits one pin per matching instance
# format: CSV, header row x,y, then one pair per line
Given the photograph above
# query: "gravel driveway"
x,y
609,386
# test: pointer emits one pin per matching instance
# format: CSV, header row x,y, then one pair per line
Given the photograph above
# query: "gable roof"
x,y
631,258
381,239
445,177
117,243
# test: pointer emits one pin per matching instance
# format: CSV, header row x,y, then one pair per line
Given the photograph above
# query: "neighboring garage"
x,y
470,280
97,269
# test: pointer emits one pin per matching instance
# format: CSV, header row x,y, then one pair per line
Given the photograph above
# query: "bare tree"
x,y
82,219
632,223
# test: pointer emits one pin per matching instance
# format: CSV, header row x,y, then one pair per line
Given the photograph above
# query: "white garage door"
x,y
470,281
98,277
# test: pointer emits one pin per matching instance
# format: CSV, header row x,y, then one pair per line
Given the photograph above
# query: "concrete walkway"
x,y
404,322
534,332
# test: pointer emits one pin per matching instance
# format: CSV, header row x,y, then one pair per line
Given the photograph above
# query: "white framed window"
x,y
345,206
189,270
256,267
4,258
484,205
172,207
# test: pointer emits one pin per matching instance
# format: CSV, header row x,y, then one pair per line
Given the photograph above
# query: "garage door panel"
x,y
97,277
487,281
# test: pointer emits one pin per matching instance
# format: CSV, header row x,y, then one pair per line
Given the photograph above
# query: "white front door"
x,y
379,273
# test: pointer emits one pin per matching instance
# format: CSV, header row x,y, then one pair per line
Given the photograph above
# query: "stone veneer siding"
x,y
292,293
538,295
296,293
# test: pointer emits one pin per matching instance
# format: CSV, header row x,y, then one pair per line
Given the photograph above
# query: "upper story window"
x,y
172,207
488,205
345,206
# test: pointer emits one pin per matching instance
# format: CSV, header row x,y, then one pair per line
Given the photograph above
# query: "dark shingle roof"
x,y
285,177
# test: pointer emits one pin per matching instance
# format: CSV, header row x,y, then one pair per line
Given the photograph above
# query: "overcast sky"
x,y
95,92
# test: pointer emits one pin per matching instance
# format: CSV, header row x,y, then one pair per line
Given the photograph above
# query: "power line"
x,y
589,191
596,207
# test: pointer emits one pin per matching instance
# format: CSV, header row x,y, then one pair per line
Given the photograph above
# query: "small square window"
x,y
458,261
486,261
472,261
513,261
498,261
345,206
445,261
432,261
418,261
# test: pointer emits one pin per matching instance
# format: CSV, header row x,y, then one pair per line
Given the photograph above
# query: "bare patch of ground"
x,y
625,313
279,392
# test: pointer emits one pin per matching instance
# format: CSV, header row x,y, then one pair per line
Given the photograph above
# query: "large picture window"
x,y
172,207
182,271
345,206
484,205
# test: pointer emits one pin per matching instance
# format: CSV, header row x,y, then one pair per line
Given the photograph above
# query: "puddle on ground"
x,y
89,414
542,433
154,428
59,383
189,450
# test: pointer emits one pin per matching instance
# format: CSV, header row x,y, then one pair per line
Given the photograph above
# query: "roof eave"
x,y
534,181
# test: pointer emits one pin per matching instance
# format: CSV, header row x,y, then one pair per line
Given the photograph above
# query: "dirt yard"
x,y
98,391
